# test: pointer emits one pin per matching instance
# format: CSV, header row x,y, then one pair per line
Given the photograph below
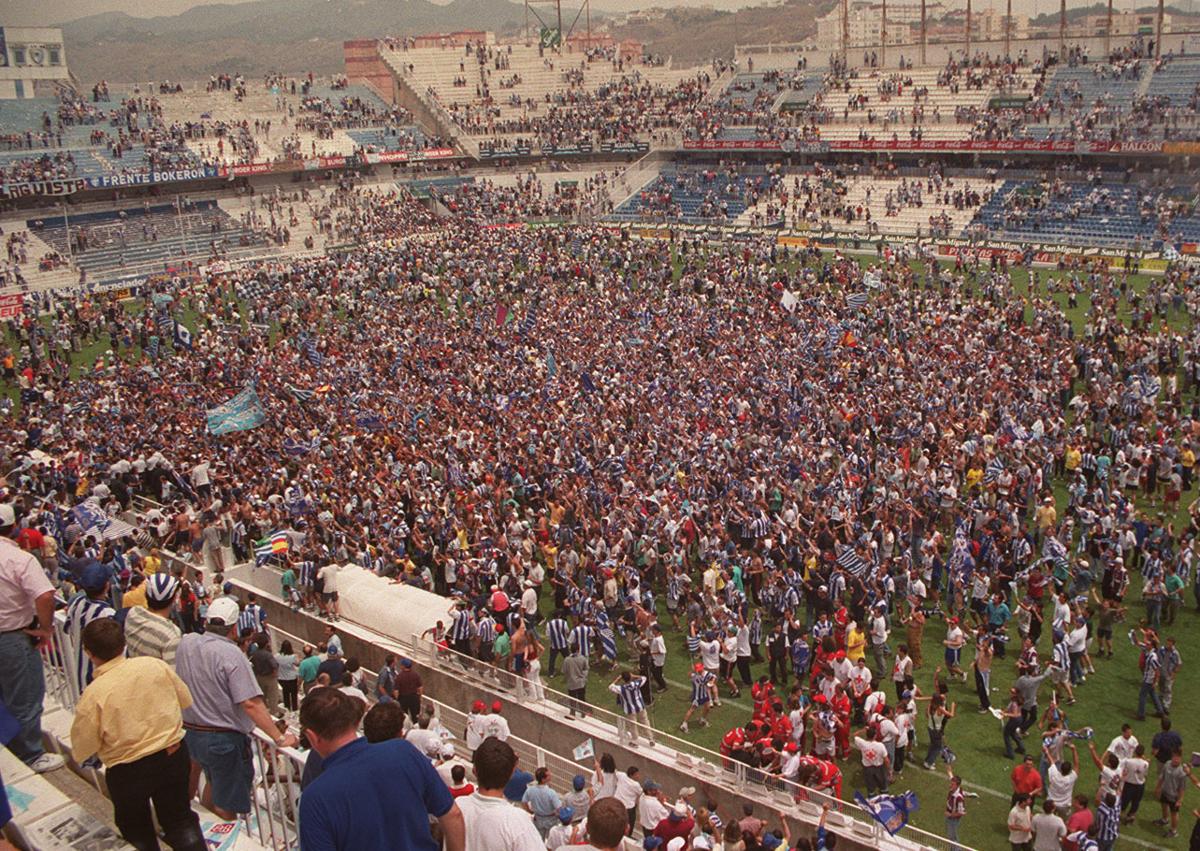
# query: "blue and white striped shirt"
x,y
82,611
461,629
581,636
629,695
252,617
558,629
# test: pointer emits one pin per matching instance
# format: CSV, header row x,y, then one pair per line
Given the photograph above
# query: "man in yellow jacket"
x,y
130,715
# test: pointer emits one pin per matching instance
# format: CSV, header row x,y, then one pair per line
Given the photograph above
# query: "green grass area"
x,y
1105,701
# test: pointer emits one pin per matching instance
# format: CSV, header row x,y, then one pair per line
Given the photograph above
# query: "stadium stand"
x,y
149,236
1088,214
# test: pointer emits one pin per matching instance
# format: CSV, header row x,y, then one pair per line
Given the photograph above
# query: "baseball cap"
x,y
565,814
223,611
94,576
497,706
161,587
650,786
8,515
676,844
406,663
227,588
770,841
651,842
698,667
679,811
479,706
578,782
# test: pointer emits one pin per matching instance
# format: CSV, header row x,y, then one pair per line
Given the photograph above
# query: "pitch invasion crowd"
x,y
661,446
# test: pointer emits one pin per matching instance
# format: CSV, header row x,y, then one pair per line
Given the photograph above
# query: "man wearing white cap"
x,y
228,705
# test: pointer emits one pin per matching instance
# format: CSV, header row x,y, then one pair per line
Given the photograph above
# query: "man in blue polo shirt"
x,y
369,796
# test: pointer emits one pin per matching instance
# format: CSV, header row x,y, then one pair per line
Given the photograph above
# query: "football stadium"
x,y
525,426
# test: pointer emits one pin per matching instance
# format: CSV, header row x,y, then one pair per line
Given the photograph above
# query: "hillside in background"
x,y
296,36
693,36
260,37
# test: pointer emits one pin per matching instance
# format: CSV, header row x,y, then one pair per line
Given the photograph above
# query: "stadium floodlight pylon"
x,y
550,34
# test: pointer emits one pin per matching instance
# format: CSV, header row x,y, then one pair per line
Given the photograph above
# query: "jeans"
x,y
1076,668
1147,690
22,689
935,746
162,778
952,833
1012,736
554,654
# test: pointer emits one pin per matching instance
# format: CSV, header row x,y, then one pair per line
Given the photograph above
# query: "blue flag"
x,y
183,337
551,365
588,385
891,811
241,413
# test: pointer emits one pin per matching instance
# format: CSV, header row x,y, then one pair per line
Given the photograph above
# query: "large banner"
x,y
241,413
107,181
43,187
409,156
11,305
947,145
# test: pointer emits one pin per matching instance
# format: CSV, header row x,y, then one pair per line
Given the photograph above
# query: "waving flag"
x,y
852,562
992,471
585,380
551,365
183,337
856,301
275,544
891,811
299,394
311,354
241,413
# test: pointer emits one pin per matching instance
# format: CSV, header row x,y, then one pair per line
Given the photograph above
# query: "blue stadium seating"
x,y
1091,86
1119,225
1176,81
178,237
388,139
690,188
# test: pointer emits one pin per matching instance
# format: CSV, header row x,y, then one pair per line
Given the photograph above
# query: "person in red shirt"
x,y
31,540
842,707
1081,820
1026,779
820,775
679,823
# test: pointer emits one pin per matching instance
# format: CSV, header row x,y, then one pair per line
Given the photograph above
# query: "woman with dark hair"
x,y
288,674
938,715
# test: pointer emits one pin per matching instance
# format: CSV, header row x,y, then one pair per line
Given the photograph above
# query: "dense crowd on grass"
x,y
762,455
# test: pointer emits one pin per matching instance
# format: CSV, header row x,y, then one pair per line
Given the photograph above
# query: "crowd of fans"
x,y
637,435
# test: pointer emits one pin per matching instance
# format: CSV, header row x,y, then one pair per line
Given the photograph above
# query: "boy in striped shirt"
x,y
703,683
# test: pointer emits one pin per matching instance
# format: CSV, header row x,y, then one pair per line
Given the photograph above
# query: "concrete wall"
x,y
545,725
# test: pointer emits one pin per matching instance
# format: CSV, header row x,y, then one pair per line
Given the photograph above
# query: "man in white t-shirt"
x,y
1060,782
629,791
1048,829
329,592
493,824
875,762
1124,745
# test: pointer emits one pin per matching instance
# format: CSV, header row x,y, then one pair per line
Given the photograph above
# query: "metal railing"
x,y
275,802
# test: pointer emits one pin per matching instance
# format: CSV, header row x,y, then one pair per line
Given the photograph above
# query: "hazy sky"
x,y
45,12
